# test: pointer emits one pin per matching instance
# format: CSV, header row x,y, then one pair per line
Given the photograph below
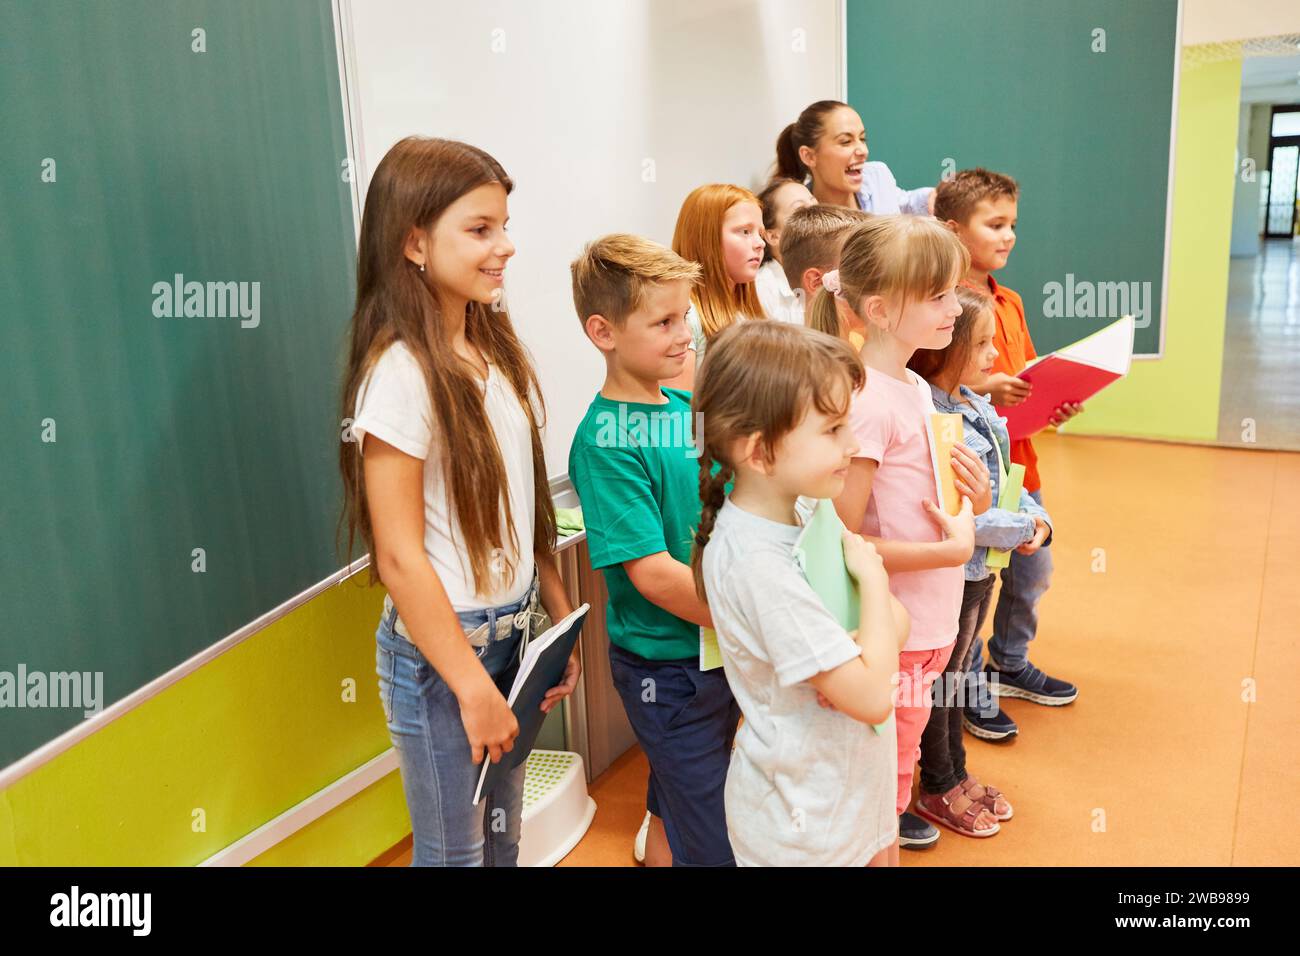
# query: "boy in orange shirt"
x,y
980,207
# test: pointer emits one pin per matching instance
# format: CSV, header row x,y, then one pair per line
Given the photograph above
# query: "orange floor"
x,y
1170,755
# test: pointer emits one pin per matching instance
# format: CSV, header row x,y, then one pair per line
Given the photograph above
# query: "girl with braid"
x,y
810,782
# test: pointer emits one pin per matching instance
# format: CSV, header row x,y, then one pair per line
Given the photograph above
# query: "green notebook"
x,y
819,552
1008,500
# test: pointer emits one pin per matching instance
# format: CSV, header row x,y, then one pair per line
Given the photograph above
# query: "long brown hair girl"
x,y
397,302
444,456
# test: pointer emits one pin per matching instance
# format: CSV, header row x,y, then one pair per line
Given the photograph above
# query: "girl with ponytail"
x,y
810,783
899,275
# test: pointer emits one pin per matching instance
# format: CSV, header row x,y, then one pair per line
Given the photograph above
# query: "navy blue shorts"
x,y
685,721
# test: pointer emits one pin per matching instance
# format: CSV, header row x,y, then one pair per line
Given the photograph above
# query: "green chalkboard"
x,y
1072,99
145,141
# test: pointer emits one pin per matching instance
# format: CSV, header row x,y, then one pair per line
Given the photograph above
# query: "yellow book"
x,y
710,653
944,429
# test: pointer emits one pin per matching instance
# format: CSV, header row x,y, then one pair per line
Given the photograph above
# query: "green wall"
x,y
136,149
1071,99
914,122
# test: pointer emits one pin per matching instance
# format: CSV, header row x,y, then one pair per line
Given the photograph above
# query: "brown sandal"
x,y
989,798
938,808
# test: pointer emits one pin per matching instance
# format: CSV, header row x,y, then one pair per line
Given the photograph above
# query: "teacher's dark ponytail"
x,y
805,131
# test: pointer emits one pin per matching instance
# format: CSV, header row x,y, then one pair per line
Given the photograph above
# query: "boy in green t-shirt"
x,y
636,469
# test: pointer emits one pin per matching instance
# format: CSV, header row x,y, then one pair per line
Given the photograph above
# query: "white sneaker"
x,y
638,848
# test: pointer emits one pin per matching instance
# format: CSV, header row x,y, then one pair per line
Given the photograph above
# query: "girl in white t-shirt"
x,y
810,783
720,226
446,484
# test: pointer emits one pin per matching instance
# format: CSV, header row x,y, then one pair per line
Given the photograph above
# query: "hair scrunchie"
x,y
831,283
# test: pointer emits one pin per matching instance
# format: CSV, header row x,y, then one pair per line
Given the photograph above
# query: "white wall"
x,y
576,100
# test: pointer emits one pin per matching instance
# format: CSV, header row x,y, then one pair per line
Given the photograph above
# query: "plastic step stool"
x,y
557,808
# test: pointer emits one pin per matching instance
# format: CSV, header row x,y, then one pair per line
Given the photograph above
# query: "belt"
x,y
525,618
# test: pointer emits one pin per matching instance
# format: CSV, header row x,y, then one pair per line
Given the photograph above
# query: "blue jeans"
x,y
424,724
1015,621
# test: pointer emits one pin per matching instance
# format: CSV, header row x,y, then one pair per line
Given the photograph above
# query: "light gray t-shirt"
x,y
699,341
807,786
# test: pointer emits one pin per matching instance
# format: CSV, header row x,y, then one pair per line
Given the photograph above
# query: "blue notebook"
x,y
541,669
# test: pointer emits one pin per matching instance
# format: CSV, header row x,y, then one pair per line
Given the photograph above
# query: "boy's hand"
x,y
821,699
1041,531
1065,413
1007,390
971,476
862,559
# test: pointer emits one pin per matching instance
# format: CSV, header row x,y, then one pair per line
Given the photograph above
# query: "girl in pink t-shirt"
x,y
899,275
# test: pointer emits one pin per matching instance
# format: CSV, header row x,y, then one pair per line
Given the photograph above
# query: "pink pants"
x,y
917,671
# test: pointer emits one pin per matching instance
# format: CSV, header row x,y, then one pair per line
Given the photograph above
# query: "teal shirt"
x,y
637,472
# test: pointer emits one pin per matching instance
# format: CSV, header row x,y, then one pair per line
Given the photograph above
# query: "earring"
x,y
421,266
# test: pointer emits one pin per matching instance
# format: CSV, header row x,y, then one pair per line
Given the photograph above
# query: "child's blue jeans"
x,y
1015,621
424,723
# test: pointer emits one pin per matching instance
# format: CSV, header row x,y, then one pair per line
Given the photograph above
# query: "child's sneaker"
x,y
1030,684
638,847
998,727
914,833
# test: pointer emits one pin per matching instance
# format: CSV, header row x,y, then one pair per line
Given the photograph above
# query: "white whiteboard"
x,y
582,102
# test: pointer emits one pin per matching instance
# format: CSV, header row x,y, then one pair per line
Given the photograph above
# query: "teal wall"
x,y
1015,86
130,157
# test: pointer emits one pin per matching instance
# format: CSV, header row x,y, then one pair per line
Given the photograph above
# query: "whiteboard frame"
x,y
1169,194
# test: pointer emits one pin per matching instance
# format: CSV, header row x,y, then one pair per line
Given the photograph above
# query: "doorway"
x,y
1283,169
1259,399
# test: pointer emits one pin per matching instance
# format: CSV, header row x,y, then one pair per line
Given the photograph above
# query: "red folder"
x,y
1072,374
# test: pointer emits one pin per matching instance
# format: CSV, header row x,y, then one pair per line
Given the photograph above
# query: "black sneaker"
x,y
1029,683
914,833
1000,726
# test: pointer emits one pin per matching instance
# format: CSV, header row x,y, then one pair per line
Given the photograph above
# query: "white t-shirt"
x,y
695,323
807,786
779,301
393,405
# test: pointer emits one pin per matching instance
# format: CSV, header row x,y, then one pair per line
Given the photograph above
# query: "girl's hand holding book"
x,y
564,688
490,724
958,531
863,561
971,476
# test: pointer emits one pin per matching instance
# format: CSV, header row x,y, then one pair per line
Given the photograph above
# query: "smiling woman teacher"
x,y
826,147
